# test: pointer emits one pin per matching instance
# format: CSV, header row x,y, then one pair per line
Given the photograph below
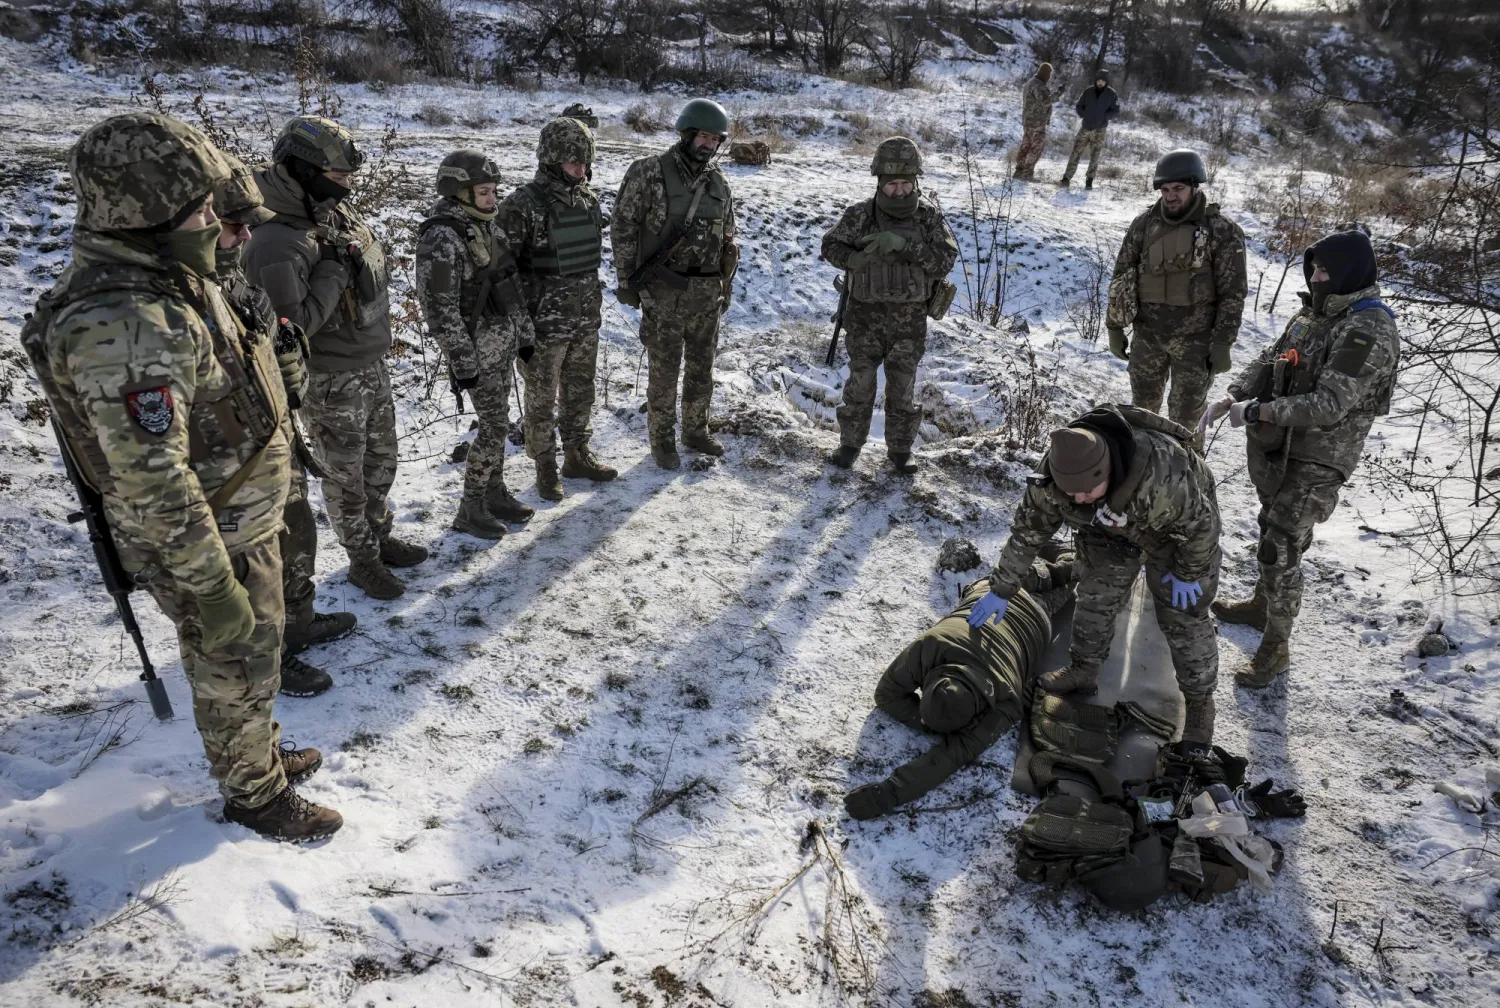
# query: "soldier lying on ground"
x,y
965,683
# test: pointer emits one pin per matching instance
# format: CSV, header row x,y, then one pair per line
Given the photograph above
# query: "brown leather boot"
x,y
1272,658
579,462
665,454
1071,679
396,552
371,576
299,764
1249,612
288,816
548,485
503,504
474,518
1198,722
703,441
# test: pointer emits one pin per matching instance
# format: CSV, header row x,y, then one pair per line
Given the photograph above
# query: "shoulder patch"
x,y
151,409
1351,352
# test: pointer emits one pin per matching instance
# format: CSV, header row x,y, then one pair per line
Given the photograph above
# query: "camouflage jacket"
x,y
641,211
933,248
1322,407
1218,289
994,660
177,403
1163,504
254,308
305,265
560,306
1036,104
451,251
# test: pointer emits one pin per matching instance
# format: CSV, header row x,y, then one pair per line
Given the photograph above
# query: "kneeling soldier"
x,y
474,306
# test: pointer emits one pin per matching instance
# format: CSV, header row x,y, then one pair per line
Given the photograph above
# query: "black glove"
x,y
870,801
1285,804
628,297
467,383
526,353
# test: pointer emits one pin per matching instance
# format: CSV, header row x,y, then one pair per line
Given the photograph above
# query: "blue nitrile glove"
x,y
1185,594
989,605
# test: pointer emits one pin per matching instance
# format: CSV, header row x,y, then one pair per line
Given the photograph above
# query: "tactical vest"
x,y
365,303
703,248
248,409
575,238
495,288
890,279
1286,376
1169,263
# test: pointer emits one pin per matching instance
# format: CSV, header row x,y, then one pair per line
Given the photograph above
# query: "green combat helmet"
x,y
237,199
897,155
564,140
322,143
463,169
584,114
703,114
139,170
1180,165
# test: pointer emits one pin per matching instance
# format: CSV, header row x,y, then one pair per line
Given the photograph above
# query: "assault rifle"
x,y
841,284
117,582
655,266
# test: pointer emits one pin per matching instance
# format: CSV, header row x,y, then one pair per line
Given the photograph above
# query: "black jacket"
x,y
1096,108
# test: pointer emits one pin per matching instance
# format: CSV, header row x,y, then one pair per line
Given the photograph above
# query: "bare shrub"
x,y
1089,286
434,114
643,118
897,43
428,27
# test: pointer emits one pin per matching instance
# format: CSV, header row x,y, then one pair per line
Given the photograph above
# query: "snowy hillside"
x,y
601,762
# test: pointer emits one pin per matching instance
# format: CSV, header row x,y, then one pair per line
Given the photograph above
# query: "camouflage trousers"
x,y
234,688
1106,570
560,392
298,542
1154,357
1292,500
485,465
893,336
351,424
1033,141
680,330
1091,141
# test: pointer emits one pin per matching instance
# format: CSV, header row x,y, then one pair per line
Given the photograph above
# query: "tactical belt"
x,y
701,274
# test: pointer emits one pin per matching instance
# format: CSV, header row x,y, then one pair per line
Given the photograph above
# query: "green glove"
x,y
884,243
858,259
870,801
1218,358
628,297
1118,344
226,616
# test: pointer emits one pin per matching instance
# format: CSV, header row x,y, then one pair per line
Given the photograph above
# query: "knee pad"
x,y
1277,549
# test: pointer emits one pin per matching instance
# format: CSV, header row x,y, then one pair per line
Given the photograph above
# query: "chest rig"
x,y
702,206
574,239
890,279
1172,258
494,288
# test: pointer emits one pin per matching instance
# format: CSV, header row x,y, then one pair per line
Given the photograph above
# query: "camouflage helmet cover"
x,y
237,199
320,142
897,155
465,168
139,170
564,140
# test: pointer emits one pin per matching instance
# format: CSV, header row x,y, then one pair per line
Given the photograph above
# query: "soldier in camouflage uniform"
x,y
1307,403
174,415
472,300
1036,116
238,205
679,200
1096,106
557,231
1135,491
895,248
971,683
1180,281
325,271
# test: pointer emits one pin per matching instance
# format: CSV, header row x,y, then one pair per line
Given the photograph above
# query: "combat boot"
x,y
322,628
548,485
665,454
579,462
502,504
374,579
1272,658
1088,183
396,552
1249,612
1064,182
1198,721
1071,679
476,520
844,457
300,679
703,441
902,462
299,764
288,816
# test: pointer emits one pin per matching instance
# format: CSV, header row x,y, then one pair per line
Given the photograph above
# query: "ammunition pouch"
x,y
1169,264
1070,728
1066,837
943,293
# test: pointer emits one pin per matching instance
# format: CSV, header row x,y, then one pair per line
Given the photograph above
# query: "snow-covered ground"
x,y
602,762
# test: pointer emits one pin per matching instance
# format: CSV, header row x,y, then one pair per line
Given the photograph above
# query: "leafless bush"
x,y
434,114
897,43
430,29
1086,308
982,225
833,27
643,118
371,59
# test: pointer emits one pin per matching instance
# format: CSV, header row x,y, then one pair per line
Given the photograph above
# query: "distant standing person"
x,y
1096,107
1036,116
1180,282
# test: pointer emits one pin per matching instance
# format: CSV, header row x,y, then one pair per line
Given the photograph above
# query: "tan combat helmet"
x,y
320,142
140,170
237,199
